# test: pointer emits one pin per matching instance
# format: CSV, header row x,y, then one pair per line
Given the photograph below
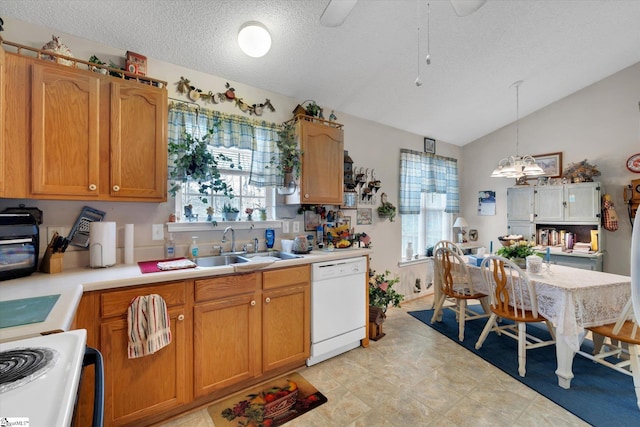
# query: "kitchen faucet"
x,y
233,238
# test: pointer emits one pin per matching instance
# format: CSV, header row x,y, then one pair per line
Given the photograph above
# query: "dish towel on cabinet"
x,y
149,325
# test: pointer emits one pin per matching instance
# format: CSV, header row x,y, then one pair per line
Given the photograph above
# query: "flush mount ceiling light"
x,y
517,166
254,39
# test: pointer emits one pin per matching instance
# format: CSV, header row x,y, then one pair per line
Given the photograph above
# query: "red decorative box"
x,y
136,63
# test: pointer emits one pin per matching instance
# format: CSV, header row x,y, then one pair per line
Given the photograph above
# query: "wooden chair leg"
x,y
485,332
635,370
462,314
522,348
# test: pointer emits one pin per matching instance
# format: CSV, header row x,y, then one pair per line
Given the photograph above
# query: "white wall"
x,y
600,123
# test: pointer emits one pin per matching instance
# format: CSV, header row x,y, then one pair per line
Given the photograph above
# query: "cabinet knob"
x,y
116,188
93,187
267,300
253,303
306,196
181,317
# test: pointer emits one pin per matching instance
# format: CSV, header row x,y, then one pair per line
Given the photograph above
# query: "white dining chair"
x,y
436,278
512,297
456,284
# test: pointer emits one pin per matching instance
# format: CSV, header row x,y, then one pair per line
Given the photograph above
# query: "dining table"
x,y
572,299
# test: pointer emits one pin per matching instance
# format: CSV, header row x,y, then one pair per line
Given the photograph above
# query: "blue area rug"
x,y
599,395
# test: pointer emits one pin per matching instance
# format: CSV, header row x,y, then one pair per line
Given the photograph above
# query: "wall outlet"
x,y
157,232
296,226
285,227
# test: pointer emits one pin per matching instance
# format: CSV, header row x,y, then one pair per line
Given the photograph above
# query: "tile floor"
x,y
416,376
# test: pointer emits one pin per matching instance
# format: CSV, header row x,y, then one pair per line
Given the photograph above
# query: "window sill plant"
x,y
230,213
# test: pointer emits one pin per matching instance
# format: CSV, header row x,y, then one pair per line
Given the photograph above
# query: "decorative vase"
x,y
263,214
520,262
230,216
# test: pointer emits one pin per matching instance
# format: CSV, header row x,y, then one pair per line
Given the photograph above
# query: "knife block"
x,y
51,262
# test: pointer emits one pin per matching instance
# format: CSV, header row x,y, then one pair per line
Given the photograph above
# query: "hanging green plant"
x,y
290,158
193,161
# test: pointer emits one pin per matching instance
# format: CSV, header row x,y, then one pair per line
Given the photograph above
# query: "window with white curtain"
x,y
251,144
429,195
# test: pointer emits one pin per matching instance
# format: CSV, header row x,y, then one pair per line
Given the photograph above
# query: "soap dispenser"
x,y
193,249
170,247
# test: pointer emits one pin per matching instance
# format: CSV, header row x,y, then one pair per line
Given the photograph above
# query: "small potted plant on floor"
x,y
381,295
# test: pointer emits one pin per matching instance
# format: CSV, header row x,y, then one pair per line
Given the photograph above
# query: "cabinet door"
x,y
65,121
286,326
549,203
145,386
322,163
138,142
524,228
582,202
226,346
520,203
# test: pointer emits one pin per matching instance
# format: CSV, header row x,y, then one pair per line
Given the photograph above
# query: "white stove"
x,y
47,397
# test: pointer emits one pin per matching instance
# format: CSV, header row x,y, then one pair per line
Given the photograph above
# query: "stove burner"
x,y
20,366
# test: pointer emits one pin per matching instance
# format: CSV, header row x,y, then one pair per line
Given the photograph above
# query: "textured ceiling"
x,y
367,67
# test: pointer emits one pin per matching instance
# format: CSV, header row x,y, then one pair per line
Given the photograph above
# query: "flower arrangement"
x,y
581,171
519,249
381,292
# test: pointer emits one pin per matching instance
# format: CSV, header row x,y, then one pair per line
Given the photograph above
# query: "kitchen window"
x,y
429,195
251,144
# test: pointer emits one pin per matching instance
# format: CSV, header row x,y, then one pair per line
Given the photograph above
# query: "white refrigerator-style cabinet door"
x,y
548,202
582,202
524,228
520,203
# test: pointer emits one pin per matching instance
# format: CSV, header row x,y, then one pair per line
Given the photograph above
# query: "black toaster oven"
x,y
19,245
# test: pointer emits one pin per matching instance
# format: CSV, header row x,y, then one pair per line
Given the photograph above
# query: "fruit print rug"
x,y
269,405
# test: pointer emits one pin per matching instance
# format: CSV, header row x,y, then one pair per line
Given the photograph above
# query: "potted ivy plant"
x,y
193,161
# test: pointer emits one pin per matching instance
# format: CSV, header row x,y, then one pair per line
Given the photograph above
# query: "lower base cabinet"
x,y
228,332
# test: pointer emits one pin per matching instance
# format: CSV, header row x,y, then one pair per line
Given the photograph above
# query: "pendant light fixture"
x,y
517,166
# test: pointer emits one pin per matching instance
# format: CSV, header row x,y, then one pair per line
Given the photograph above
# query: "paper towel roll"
x,y
102,244
128,244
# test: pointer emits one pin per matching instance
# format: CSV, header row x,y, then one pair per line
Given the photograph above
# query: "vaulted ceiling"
x,y
367,66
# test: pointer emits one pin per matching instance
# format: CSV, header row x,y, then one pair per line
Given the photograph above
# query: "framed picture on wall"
x,y
429,145
550,163
311,220
364,216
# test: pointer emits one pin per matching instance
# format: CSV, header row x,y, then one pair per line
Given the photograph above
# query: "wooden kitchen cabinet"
x,y
137,389
78,135
322,174
226,331
2,151
286,317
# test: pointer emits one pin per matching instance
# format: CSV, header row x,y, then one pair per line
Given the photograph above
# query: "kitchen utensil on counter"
x,y
287,245
300,245
79,235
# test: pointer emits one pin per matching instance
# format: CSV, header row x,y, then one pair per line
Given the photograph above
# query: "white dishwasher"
x,y
338,298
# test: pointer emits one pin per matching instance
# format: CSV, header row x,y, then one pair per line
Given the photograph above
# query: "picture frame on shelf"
x,y
364,216
311,220
429,145
551,163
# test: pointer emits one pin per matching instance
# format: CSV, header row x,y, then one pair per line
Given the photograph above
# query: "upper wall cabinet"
x,y
73,134
2,152
322,174
575,203
520,203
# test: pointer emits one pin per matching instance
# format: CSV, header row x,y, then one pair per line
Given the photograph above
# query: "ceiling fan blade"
x,y
466,7
336,12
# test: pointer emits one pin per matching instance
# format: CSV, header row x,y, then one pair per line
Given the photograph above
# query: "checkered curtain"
x,y
427,173
230,130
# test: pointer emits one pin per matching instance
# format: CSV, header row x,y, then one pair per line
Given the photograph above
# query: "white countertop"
x,y
72,283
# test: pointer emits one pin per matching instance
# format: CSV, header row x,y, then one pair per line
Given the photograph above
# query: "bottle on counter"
x,y
270,237
170,247
409,251
193,249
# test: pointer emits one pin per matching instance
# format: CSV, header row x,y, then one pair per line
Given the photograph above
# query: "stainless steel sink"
x,y
220,260
273,254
